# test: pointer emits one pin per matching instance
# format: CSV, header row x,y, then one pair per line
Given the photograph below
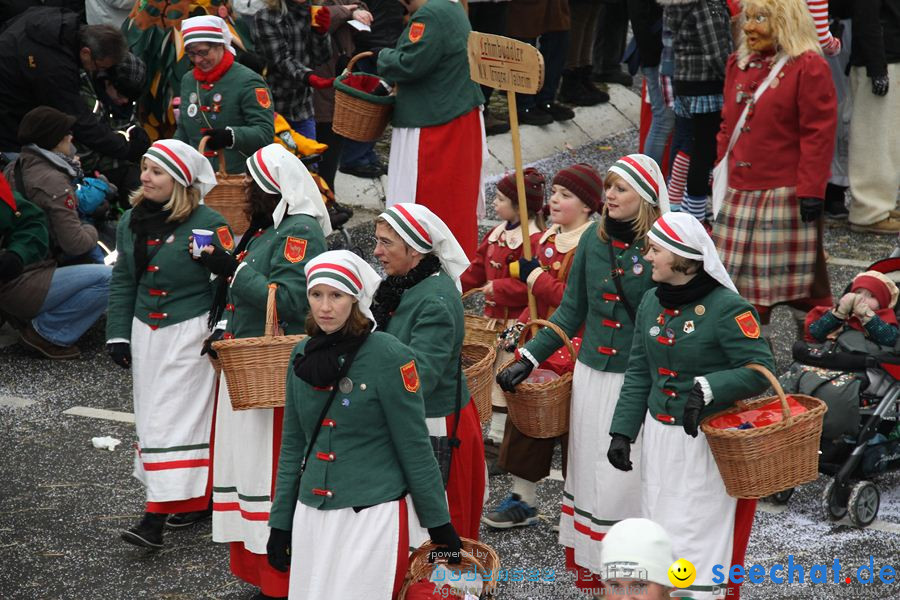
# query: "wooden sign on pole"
x,y
513,66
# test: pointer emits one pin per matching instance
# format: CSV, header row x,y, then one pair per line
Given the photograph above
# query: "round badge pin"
x,y
170,239
670,333
193,98
548,252
637,269
556,265
345,385
217,97
699,309
192,111
654,330
634,258
345,402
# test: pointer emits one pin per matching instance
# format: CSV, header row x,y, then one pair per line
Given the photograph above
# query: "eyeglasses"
x,y
192,54
759,19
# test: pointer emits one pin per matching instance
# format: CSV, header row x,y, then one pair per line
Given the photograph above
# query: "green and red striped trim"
x,y
166,158
334,273
409,228
663,234
203,33
261,174
638,177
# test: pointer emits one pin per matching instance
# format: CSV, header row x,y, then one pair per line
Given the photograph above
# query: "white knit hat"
x,y
685,236
637,549
644,175
347,272
206,28
184,163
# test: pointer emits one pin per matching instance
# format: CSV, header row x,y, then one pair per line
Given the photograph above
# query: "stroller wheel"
x,y
863,503
781,497
834,501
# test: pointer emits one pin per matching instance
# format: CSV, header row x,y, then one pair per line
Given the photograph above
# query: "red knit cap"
x,y
585,182
534,188
882,289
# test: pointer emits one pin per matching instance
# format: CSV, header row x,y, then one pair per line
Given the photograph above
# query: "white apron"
x,y
682,490
596,495
174,391
345,554
242,473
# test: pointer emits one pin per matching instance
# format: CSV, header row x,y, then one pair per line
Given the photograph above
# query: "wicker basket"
x,y
760,462
255,368
227,198
477,555
357,115
541,410
478,365
479,329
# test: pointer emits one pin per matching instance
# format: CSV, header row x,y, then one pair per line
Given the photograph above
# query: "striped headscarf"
x,y
206,28
682,234
644,175
278,171
424,232
347,272
187,166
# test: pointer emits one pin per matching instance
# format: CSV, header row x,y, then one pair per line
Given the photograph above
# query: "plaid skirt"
x,y
769,253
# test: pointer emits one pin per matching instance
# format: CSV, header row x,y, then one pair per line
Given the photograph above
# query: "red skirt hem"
x,y
256,570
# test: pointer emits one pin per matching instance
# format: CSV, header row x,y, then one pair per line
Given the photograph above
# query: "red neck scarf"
x,y
216,73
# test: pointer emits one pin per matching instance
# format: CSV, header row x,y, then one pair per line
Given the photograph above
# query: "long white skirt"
x,y
682,490
173,402
346,554
596,495
242,472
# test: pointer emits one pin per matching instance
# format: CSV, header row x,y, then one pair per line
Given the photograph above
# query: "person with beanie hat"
x,y
694,336
636,554
505,296
606,281
867,307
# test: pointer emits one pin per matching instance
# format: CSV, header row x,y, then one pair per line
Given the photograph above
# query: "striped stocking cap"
x,y
643,174
187,166
682,234
424,232
278,171
206,28
347,272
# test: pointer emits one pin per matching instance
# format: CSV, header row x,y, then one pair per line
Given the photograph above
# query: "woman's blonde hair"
x,y
182,202
646,217
792,28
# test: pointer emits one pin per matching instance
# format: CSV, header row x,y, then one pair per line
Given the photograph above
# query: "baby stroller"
x,y
860,383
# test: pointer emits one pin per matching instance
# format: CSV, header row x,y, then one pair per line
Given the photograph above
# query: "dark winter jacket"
x,y
39,65
645,17
9,9
876,35
702,43
387,25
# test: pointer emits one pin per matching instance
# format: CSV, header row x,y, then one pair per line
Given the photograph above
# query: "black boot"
x,y
557,111
180,520
590,88
570,90
835,204
148,533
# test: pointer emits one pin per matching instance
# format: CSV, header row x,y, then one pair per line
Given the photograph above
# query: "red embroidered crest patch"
x,y
70,202
225,237
410,376
262,96
416,31
294,249
747,322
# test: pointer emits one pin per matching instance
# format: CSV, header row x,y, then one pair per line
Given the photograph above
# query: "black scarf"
x,y
620,230
149,219
257,224
319,365
673,296
390,292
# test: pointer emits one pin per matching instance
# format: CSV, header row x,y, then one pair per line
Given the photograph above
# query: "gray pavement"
x,y
63,502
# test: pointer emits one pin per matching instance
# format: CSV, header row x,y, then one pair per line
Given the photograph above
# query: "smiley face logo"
x,y
682,573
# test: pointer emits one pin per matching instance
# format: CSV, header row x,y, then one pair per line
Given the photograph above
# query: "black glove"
x,y
880,85
120,352
449,543
278,549
514,374
219,262
138,142
695,403
218,138
810,209
10,266
215,336
527,266
619,453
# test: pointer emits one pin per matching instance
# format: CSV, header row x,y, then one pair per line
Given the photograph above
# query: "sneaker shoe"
x,y
836,211
148,533
558,112
494,125
618,76
364,171
32,339
512,512
180,520
886,226
534,116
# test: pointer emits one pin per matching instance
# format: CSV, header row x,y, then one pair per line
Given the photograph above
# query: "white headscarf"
x,y
206,28
347,272
644,175
685,236
184,163
424,232
277,171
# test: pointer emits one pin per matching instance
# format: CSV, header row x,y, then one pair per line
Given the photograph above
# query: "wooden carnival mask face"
x,y
758,30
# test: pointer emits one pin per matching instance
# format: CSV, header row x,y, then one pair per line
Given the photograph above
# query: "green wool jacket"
x,y
591,299
712,338
23,229
373,445
174,288
430,321
239,100
277,255
431,68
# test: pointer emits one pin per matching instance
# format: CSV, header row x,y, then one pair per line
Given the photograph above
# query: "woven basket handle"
x,y
785,409
556,329
272,328
361,55
202,148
